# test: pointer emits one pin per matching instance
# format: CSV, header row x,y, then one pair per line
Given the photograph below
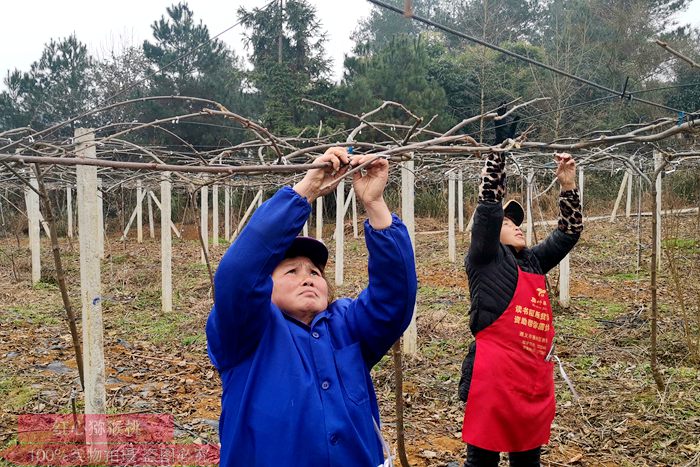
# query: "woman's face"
x,y
299,289
512,235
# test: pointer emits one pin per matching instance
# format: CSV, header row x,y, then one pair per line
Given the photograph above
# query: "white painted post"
x,y
44,225
410,337
408,198
460,201
451,242
69,208
580,187
90,288
172,225
565,264
227,212
339,232
630,182
245,216
305,229
348,199
354,215
564,280
134,213
204,220
319,218
215,215
151,229
620,192
528,208
100,219
658,162
166,301
32,202
139,211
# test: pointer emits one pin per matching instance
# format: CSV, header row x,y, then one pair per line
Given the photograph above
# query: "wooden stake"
x,y
60,274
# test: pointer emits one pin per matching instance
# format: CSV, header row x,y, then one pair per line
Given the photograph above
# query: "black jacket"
x,y
492,271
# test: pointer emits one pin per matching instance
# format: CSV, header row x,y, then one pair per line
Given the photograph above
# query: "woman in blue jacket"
x,y
295,365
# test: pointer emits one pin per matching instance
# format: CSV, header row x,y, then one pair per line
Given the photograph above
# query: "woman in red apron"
x,y
507,376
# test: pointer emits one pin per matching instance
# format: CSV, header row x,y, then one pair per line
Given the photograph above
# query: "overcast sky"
x,y
29,24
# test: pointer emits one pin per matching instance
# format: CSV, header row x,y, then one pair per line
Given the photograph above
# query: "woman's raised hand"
x,y
315,179
369,183
566,171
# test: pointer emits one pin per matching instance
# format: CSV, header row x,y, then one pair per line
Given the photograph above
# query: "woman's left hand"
x,y
566,171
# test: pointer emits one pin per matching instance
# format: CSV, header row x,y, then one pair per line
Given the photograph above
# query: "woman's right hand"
x,y
310,186
566,171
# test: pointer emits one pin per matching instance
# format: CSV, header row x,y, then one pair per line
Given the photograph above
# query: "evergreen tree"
x,y
287,52
56,88
398,72
185,60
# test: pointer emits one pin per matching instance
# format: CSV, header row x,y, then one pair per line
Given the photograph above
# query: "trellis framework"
x,y
100,161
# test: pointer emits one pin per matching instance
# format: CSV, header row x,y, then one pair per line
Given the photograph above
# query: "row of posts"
x,y
455,196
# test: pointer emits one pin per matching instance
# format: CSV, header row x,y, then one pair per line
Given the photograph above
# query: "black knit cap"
x,y
514,211
311,248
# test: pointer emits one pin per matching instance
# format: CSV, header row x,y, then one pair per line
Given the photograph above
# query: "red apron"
x,y
510,407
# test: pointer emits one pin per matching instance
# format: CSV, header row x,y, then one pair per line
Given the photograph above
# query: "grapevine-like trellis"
x,y
39,162
277,159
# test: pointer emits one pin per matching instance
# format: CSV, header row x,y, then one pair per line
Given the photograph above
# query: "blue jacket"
x,y
298,395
